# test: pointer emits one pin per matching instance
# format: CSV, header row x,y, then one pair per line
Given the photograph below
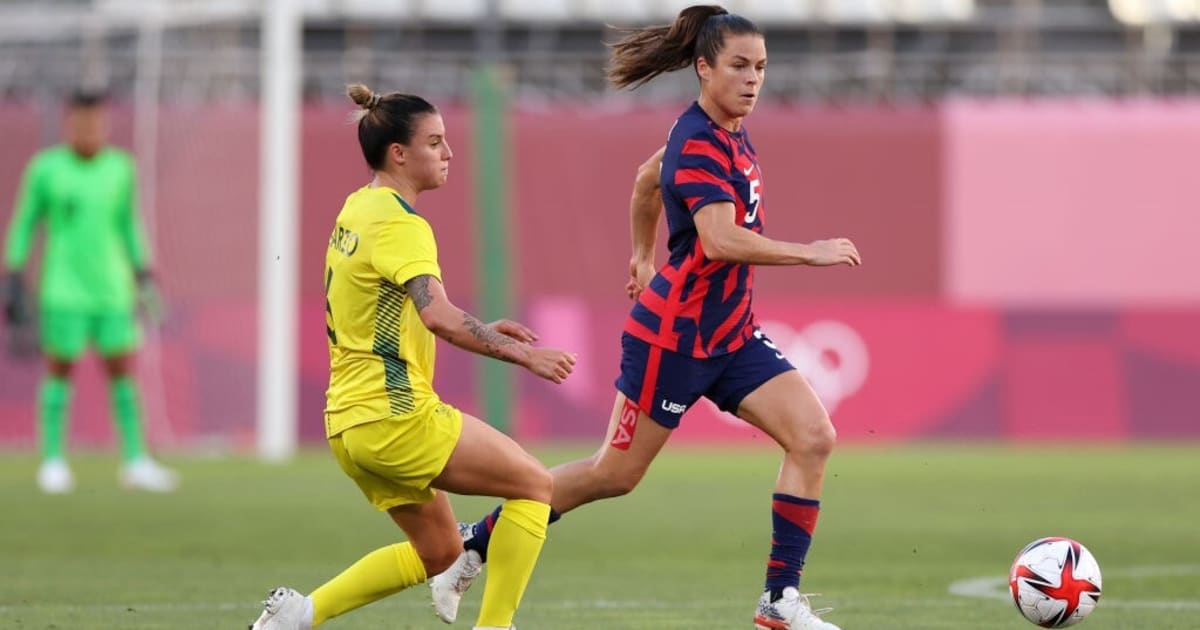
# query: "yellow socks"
x,y
513,551
378,574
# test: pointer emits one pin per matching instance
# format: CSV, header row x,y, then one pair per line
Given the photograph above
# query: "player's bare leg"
x,y
616,468
432,545
488,462
787,409
631,443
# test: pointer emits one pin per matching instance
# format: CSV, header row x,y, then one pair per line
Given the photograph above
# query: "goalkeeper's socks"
x,y
793,520
54,396
127,413
478,535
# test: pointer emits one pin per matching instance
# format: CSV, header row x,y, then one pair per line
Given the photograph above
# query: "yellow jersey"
x,y
381,355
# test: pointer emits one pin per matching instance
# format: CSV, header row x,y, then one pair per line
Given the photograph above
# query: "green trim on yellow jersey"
x,y
387,346
381,355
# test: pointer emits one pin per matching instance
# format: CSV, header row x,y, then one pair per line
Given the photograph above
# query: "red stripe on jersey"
x,y
651,379
652,300
706,149
700,176
730,284
734,318
639,330
699,290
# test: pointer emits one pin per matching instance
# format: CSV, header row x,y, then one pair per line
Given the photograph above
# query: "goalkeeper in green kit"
x,y
95,273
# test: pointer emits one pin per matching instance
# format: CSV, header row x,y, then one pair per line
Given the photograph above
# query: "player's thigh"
x,y
632,442
64,334
787,409
763,388
654,389
394,461
116,337
488,462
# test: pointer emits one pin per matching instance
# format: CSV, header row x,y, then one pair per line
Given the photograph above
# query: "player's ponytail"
x,y
384,119
698,31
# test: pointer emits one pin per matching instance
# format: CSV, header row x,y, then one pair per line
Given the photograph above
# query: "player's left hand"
x,y
517,331
149,301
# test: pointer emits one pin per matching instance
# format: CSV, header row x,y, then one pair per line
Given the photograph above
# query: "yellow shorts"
x,y
394,460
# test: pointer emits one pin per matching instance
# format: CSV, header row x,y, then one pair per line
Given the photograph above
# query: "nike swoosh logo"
x,y
749,169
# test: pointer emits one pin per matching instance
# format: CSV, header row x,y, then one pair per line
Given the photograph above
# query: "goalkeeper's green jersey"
x,y
94,240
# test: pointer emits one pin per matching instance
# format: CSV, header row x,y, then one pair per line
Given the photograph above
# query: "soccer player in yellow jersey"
x,y
386,425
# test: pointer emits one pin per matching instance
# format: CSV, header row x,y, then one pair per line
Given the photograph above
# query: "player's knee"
x,y
117,367
812,439
615,483
439,556
625,483
537,483
818,441
59,369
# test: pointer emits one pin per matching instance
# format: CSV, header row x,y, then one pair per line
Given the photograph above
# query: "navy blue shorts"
x,y
664,384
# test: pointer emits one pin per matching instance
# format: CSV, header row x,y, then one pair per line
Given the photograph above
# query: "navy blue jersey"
x,y
696,306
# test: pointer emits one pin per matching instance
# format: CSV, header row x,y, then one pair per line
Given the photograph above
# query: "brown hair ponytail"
x,y
698,31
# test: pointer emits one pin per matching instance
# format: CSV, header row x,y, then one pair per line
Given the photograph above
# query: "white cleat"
x,y
55,477
283,609
449,586
790,612
146,474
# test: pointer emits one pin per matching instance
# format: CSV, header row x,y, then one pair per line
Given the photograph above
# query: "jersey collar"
x,y
404,204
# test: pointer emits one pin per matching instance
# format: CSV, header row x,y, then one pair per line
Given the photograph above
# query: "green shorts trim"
x,y
67,334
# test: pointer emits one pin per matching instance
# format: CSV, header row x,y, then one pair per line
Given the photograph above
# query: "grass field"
x,y
686,550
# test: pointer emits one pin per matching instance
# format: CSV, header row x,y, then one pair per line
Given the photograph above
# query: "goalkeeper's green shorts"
x,y
67,334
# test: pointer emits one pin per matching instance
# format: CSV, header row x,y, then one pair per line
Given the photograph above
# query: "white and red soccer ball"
x,y
1055,582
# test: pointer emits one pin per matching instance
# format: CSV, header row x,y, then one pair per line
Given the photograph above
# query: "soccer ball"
x,y
1055,582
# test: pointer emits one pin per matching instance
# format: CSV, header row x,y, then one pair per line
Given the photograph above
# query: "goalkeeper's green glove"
x,y
149,301
20,336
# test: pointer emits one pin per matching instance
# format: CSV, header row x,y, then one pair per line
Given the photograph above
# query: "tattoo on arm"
x,y
491,339
418,290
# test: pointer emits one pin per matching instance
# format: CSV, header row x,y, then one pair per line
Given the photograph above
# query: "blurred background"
x,y
1020,176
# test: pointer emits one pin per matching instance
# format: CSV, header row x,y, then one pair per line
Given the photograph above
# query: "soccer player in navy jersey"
x,y
692,331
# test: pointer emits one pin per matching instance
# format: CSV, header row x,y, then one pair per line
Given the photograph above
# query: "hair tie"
x,y
375,98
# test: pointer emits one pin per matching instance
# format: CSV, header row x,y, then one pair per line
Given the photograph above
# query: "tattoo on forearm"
x,y
418,290
491,339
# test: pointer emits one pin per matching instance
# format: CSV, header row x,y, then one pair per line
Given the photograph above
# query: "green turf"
x,y
686,550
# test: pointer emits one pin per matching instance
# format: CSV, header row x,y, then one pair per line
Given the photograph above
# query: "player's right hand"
x,y
20,336
640,275
834,251
16,312
553,365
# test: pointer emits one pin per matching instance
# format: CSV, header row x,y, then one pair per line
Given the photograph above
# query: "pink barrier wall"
x,y
955,327
1072,203
872,174
903,369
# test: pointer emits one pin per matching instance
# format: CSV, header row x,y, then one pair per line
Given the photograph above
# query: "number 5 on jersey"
x,y
752,214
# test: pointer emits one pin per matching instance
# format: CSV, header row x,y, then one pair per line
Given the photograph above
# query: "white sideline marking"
x,y
992,587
